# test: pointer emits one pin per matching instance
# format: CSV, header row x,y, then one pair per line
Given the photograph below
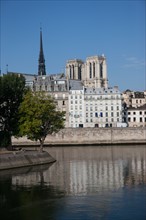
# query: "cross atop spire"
x,y
41,66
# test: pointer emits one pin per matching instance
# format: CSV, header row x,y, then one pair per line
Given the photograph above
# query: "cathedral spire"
x,y
41,66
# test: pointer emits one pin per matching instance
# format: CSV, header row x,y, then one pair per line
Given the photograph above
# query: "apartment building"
x,y
76,104
103,107
137,116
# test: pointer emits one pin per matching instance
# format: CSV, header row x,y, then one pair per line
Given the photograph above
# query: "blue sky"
x,y
76,29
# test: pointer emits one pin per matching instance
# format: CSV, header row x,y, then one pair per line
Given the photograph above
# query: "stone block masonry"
x,y
15,159
91,136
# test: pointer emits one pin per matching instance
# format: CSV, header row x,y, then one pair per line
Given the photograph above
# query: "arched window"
x,y
93,69
101,70
90,70
70,71
79,73
73,70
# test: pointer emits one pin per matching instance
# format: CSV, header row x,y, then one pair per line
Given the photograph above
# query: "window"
x,y
90,70
76,102
117,107
129,119
140,113
101,114
91,120
71,102
136,101
63,102
91,114
129,113
101,70
117,119
117,114
112,114
71,97
93,69
96,114
112,108
134,119
106,119
86,119
86,114
106,108
106,114
134,113
140,119
76,97
70,71
73,71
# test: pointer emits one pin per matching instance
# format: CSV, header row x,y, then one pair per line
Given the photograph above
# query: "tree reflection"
x,y
27,201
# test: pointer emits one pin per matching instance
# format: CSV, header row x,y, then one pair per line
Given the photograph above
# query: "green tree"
x,y
12,88
39,117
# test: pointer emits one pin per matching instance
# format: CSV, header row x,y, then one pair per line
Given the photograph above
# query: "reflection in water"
x,y
84,183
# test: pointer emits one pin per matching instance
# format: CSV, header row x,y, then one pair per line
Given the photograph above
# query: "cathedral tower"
x,y
41,66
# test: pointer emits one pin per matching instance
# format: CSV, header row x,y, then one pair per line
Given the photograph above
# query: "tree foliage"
x,y
12,88
39,117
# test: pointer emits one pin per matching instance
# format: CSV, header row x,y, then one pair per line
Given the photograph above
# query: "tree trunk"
x,y
6,140
42,144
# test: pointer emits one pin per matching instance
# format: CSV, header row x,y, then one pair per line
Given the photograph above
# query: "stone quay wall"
x,y
91,136
17,159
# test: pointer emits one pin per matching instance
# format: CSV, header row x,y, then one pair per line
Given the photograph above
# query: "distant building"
x,y
137,116
103,107
138,99
76,104
93,72
134,99
82,92
29,78
57,87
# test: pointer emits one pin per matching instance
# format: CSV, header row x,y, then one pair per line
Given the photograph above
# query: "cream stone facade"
x,y
93,72
57,87
74,69
103,107
76,104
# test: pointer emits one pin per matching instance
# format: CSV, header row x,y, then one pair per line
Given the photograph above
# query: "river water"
x,y
85,183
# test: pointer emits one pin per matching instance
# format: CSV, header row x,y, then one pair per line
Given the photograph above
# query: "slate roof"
x,y
111,90
75,85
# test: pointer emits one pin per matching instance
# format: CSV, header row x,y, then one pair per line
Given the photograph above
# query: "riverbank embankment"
x,y
90,136
17,159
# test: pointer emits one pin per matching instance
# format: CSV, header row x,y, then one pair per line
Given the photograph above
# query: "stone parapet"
x,y
90,136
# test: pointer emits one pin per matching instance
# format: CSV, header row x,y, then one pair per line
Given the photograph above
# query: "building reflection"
x,y
85,170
